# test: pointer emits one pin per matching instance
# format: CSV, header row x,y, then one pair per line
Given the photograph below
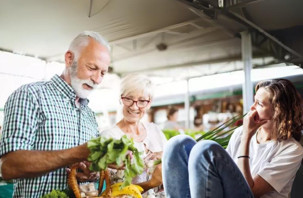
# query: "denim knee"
x,y
178,142
178,146
205,147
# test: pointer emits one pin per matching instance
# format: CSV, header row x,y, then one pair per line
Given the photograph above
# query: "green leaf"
x,y
220,134
158,161
55,194
105,151
211,134
95,155
102,163
92,143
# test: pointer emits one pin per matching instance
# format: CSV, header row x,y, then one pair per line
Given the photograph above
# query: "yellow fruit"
x,y
116,184
132,190
139,187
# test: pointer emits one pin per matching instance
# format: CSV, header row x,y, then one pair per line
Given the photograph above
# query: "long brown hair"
x,y
287,104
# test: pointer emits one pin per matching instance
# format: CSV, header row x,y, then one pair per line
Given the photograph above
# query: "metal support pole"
x,y
246,58
187,105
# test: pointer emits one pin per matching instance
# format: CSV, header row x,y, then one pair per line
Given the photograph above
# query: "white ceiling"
x,y
198,44
134,28
200,41
45,28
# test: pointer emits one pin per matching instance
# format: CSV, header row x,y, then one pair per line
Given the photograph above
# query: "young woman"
x,y
136,97
262,157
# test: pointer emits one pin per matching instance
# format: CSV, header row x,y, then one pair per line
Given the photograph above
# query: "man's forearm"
x,y
25,164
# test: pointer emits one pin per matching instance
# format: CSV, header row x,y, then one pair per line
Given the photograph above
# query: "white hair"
x,y
82,40
134,83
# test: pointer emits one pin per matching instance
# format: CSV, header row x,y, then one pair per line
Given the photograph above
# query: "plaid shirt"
x,y
43,116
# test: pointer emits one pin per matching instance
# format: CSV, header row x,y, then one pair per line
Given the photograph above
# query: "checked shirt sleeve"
x,y
20,121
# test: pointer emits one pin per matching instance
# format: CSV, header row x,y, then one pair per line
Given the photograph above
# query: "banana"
x,y
119,184
132,190
139,187
116,184
128,190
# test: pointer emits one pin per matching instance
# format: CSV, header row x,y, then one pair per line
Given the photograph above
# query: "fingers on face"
x,y
262,122
252,113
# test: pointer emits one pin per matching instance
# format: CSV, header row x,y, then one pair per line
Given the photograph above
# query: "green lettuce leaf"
x,y
105,151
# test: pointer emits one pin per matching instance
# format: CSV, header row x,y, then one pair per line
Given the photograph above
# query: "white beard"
x,y
77,83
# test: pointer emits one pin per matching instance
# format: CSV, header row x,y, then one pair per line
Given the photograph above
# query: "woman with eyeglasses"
x,y
136,96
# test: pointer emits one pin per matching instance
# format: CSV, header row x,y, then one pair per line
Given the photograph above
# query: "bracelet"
x,y
243,156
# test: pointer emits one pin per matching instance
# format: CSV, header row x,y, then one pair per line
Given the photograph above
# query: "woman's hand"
x,y
251,123
151,156
156,179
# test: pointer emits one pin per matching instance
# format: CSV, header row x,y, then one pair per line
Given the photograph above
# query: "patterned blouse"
x,y
153,143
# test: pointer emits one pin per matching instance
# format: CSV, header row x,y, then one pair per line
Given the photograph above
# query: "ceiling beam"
x,y
200,5
90,8
205,17
192,64
183,41
269,36
229,4
152,33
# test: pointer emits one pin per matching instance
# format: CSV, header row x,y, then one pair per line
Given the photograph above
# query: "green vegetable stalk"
x,y
105,151
56,194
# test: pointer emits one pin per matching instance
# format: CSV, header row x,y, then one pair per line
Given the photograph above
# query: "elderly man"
x,y
47,124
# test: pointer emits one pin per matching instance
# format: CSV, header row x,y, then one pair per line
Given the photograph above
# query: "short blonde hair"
x,y
134,83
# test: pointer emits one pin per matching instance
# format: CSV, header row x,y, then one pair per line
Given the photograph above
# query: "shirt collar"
x,y
63,87
67,90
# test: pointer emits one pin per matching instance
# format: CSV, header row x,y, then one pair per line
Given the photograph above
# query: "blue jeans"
x,y
201,169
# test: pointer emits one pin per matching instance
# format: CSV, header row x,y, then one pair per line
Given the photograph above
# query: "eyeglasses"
x,y
129,102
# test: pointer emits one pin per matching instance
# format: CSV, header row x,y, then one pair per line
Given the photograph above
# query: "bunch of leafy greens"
x,y
56,194
220,134
223,132
105,151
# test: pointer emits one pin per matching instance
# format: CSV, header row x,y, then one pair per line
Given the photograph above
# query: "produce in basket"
x,y
122,152
106,151
55,194
131,190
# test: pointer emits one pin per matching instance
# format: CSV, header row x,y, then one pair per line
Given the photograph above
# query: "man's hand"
x,y
115,166
83,173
